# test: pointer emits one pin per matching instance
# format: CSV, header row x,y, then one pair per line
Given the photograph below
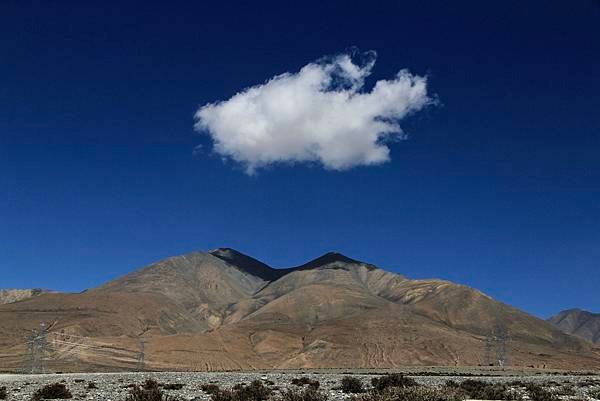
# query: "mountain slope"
x,y
580,323
202,284
8,296
226,310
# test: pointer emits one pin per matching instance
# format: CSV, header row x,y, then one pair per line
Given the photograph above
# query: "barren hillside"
x,y
225,310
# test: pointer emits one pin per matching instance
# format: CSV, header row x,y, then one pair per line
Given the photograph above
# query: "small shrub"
x,y
392,380
595,393
78,380
307,394
52,392
256,391
3,393
413,393
150,384
539,393
210,388
302,381
173,386
566,389
482,390
92,385
352,385
149,391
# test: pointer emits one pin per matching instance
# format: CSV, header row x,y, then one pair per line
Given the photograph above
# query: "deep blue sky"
x,y
497,187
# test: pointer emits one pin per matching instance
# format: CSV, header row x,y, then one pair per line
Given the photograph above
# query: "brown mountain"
x,y
580,323
226,310
8,296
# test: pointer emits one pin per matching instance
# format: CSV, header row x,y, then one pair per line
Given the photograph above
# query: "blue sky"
x,y
497,185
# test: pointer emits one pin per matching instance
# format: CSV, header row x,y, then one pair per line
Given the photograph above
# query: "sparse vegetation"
x,y
150,391
566,389
52,392
539,393
210,388
413,393
352,385
595,393
255,391
91,386
303,381
482,390
307,394
173,386
3,393
392,380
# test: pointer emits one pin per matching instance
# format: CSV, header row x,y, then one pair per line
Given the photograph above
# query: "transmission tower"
x,y
37,346
496,350
501,349
141,357
489,345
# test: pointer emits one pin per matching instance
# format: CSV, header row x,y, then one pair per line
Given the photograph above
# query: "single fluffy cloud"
x,y
319,114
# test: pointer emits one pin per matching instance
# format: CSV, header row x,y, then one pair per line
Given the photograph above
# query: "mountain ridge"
x,y
580,323
232,311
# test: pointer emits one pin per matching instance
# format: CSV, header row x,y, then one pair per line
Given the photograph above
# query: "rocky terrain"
x,y
223,310
8,296
189,386
580,323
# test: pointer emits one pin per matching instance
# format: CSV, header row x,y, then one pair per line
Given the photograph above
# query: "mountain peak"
x,y
579,322
246,263
327,259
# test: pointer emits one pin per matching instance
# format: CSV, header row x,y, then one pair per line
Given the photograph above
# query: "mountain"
x,y
223,310
580,323
8,296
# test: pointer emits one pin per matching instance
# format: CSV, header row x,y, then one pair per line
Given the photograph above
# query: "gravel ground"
x,y
114,386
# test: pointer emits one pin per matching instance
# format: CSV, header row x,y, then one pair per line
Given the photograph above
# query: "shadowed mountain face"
x,y
580,323
248,264
225,310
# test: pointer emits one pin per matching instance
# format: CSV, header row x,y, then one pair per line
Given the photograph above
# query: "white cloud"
x,y
319,114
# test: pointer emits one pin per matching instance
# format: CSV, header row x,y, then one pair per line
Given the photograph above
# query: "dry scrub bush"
x,y
302,381
210,388
539,393
256,391
52,392
173,386
352,385
392,380
413,393
150,391
481,390
307,394
595,393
